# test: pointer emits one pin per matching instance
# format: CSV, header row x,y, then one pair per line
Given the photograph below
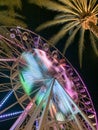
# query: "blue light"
x,y
5,98
37,124
60,99
10,114
33,72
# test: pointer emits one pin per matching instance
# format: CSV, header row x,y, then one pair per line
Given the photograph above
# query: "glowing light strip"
x,y
5,98
37,124
6,59
10,114
22,117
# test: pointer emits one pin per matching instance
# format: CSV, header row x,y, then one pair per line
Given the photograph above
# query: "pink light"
x,y
6,59
69,84
42,55
29,106
69,88
22,116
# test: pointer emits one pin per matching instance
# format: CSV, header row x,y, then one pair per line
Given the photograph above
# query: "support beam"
x,y
80,112
38,109
44,114
21,118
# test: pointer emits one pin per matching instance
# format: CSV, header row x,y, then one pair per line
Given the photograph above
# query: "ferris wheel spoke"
x,y
5,98
67,100
14,50
5,87
9,107
45,111
22,117
36,90
5,90
41,80
2,52
81,113
4,67
9,41
4,75
8,59
9,116
5,84
38,109
27,71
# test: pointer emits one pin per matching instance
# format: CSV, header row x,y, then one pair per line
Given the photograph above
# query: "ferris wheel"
x,y
39,88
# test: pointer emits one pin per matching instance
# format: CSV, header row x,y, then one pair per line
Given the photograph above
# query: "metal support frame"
x,y
38,109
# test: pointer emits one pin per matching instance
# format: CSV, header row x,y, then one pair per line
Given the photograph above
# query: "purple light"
x,y
10,114
5,98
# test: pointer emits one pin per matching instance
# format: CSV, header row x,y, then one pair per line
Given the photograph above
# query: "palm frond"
x,y
10,16
54,22
95,10
55,38
5,19
78,4
81,46
77,14
71,5
11,3
71,38
54,6
94,43
62,32
37,2
65,15
91,4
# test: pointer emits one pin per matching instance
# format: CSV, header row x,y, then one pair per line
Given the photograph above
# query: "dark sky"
x,y
89,71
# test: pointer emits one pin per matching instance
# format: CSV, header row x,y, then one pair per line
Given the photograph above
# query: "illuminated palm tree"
x,y
74,15
9,13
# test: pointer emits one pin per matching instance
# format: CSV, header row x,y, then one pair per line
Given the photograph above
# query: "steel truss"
x,y
81,114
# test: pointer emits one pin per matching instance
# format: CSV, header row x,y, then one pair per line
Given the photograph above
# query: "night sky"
x,y
89,71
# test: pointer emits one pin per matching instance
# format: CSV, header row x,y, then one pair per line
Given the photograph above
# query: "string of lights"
x,y
5,98
10,114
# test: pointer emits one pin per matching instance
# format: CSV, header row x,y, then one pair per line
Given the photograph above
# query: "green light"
x,y
26,87
39,98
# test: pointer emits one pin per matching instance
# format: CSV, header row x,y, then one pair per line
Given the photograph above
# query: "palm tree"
x,y
74,15
9,13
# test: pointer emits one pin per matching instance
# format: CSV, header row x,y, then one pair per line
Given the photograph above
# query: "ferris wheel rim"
x,y
73,69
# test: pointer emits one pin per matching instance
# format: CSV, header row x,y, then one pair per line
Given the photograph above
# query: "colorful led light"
x,y
5,98
40,96
30,73
60,116
34,70
10,114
